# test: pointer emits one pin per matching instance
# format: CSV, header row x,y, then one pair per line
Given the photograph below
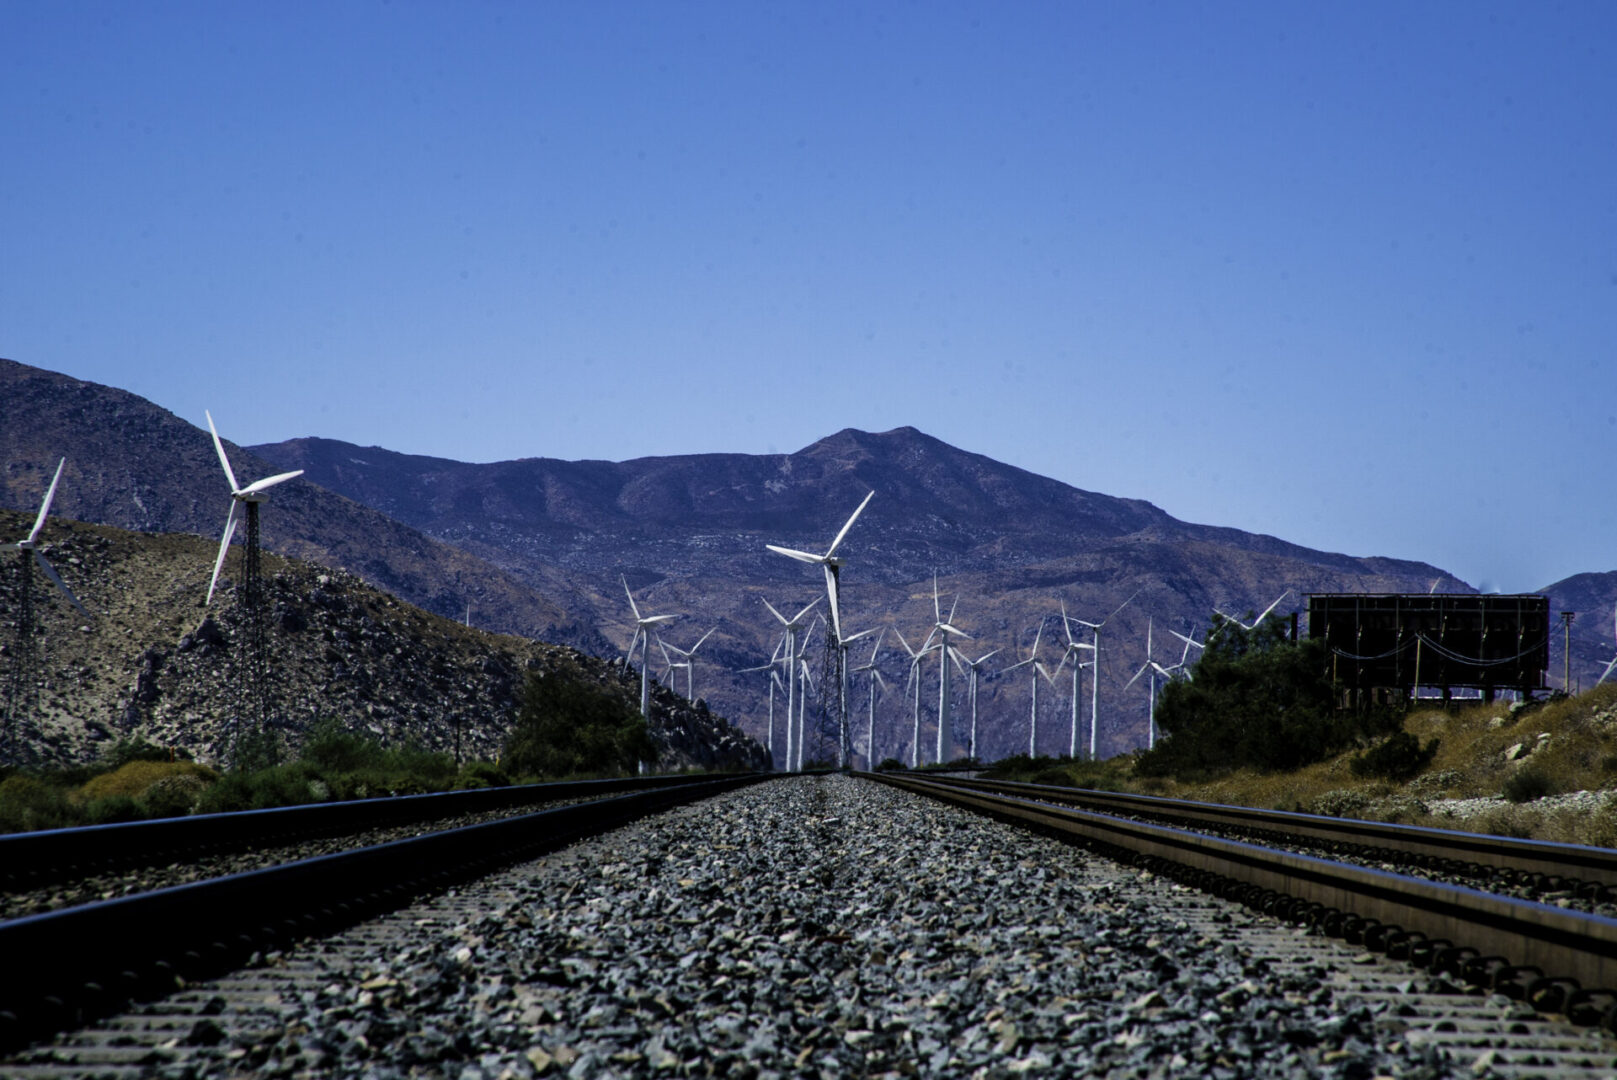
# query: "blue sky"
x,y
1344,274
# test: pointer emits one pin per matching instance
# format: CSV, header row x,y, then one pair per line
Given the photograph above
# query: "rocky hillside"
x,y
689,533
137,466
153,662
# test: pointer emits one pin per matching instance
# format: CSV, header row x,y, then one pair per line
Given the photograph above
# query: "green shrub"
x,y
569,727
28,803
172,796
111,810
1398,758
481,774
891,764
1528,785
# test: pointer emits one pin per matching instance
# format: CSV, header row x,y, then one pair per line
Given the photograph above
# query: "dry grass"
x,y
134,779
1571,742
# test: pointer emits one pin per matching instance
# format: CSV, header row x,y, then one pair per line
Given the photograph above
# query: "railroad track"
x,y
1558,960
67,966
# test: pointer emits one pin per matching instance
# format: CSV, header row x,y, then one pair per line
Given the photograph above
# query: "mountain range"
x,y
543,547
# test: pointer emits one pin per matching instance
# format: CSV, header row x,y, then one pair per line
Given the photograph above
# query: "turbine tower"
x,y
915,662
844,739
689,663
1073,648
1094,696
832,565
774,681
971,667
794,740
875,677
643,626
1155,669
244,503
943,628
21,689
1038,669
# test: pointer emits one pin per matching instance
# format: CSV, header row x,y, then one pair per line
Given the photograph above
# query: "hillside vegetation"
x,y
1546,771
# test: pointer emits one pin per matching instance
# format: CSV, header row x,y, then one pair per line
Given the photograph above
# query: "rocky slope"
x,y
152,661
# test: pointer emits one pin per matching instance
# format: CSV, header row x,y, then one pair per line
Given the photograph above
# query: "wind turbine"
x,y
244,502
1033,715
1074,646
643,626
971,667
844,744
1155,669
794,750
23,670
875,677
689,663
943,628
1094,696
774,681
250,497
1259,620
915,663
833,574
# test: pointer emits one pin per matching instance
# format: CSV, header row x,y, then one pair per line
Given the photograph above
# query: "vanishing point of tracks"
x,y
830,926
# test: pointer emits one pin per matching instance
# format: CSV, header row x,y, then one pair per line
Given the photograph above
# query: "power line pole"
x,y
1566,650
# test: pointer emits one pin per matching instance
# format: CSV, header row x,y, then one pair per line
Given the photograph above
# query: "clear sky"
x,y
1346,274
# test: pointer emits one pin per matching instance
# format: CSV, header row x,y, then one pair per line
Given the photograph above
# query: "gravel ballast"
x,y
808,927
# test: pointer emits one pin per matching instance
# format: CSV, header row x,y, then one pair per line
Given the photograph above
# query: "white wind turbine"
x,y
643,627
971,667
1033,714
1074,647
805,687
774,681
916,656
1155,669
832,566
794,749
30,544
250,497
869,668
1094,696
942,628
1255,623
24,677
689,663
844,737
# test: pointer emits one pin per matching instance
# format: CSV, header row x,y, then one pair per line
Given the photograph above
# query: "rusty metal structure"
x,y
1387,644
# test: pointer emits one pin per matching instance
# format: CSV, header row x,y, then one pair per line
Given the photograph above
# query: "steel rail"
x,y
32,859
1572,861
1544,953
65,967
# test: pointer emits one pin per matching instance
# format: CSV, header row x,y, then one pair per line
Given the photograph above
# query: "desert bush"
x,y
133,778
1398,758
891,764
28,803
111,810
569,727
172,796
481,774
1528,785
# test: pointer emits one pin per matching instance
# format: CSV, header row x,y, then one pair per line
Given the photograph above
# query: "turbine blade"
x,y
955,603
831,593
269,482
1271,607
224,548
806,610
937,612
1609,668
793,553
985,656
1137,674
50,572
1066,623
953,630
772,611
959,665
45,507
699,641
632,605
657,620
1123,605
832,550
230,473
900,635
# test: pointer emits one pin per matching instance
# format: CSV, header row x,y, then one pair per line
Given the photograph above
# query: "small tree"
x,y
1256,699
568,727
